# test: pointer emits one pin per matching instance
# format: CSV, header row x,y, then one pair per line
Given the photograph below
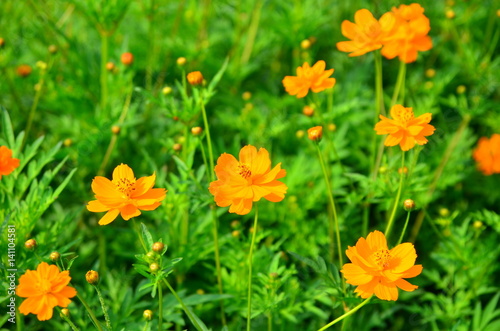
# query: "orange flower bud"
x,y
148,315
24,70
315,133
2,42
115,129
409,204
52,49
305,44
67,142
154,267
235,233
181,61
175,118
110,66
92,277
332,127
127,58
429,73
30,244
197,130
403,170
177,147
195,78
54,256
246,95
308,111
158,247
64,312
450,14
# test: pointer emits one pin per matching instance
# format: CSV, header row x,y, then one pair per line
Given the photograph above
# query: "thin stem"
x,y
184,307
160,308
250,255
270,321
379,105
104,72
349,313
209,140
398,196
103,306
34,105
404,228
91,313
335,221
399,84
252,33
67,319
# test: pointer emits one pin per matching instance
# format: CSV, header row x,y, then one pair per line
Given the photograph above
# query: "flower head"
x,y
487,155
92,277
315,78
409,35
44,288
241,182
195,78
366,33
404,129
315,133
7,163
127,58
375,269
124,195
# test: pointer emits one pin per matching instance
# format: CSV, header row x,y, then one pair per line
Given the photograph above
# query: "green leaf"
x,y
146,236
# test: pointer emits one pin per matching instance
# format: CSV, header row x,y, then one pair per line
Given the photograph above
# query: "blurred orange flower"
x,y
366,34
409,35
44,288
7,163
487,155
315,133
377,270
124,195
315,78
240,183
404,129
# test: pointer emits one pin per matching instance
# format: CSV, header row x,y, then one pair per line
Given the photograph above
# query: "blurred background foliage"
x,y
458,220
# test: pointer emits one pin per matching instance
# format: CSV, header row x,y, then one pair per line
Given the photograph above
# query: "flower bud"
x,y
429,73
148,315
450,14
158,247
154,267
175,118
30,244
235,233
195,78
52,49
24,70
444,212
92,277
196,130
67,142
308,111
166,90
315,133
305,44
177,147
382,169
115,129
403,170
235,224
127,58
151,255
246,95
181,61
2,42
54,256
477,224
332,127
41,65
110,66
299,134
64,312
461,89
200,291
409,204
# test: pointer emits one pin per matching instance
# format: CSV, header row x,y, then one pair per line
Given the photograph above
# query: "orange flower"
x,y
315,133
195,78
366,34
404,129
487,155
410,34
377,270
315,78
44,288
7,162
124,194
239,183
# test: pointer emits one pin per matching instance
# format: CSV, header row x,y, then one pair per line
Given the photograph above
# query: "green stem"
x,y
349,313
252,33
335,221
250,255
34,105
67,319
379,106
398,195
209,140
104,72
160,308
404,228
399,84
184,307
103,306
91,313
270,321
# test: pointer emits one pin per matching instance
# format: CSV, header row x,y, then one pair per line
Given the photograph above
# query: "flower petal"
x,y
109,217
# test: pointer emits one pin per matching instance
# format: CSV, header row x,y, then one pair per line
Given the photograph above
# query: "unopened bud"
x,y
409,204
166,90
444,212
177,147
235,224
195,78
308,111
54,256
315,133
200,291
461,89
477,224
41,65
154,267
429,73
300,134
246,95
92,277
403,170
127,58
24,70
52,49
235,233
64,312
148,315
197,130
450,14
30,244
158,247
2,42
110,66
115,129
181,61
67,142
332,127
305,44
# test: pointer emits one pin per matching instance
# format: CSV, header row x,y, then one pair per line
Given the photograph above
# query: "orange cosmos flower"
x,y
315,133
240,183
124,195
377,270
315,78
366,34
409,35
7,163
487,155
404,129
44,288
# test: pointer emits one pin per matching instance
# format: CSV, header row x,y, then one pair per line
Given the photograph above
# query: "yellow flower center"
x,y
382,258
125,185
404,115
44,286
244,170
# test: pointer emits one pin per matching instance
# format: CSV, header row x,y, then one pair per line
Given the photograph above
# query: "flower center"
x,y
404,115
125,185
244,170
44,286
382,258
372,29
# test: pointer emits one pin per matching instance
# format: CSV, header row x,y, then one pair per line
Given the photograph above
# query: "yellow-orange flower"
x,y
195,78
315,79
409,35
44,288
315,133
487,155
375,269
240,183
404,129
7,162
124,195
366,34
